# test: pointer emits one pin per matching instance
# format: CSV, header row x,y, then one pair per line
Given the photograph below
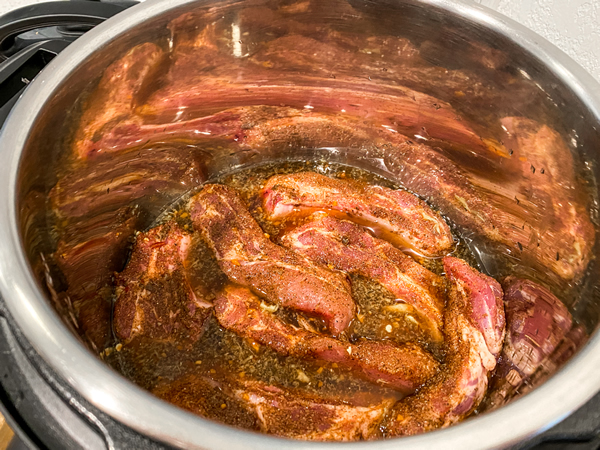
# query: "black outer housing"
x,y
42,409
44,412
72,18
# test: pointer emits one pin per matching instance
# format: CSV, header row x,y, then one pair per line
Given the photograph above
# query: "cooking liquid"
x,y
219,352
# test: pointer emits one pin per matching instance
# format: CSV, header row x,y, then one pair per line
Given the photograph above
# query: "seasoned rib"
x,y
249,258
482,299
294,413
474,331
350,248
154,298
404,368
204,396
398,215
537,324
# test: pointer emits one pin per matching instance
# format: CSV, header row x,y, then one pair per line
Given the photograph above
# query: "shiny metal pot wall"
x,y
34,140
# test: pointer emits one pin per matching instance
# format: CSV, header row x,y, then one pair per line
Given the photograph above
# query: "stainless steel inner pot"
x,y
35,141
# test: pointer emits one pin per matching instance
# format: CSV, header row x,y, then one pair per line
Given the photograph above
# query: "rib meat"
x,y
154,297
404,368
474,331
537,324
350,248
397,215
294,413
291,413
205,396
249,258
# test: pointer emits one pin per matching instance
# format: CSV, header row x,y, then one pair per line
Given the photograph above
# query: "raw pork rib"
x,y
350,248
280,275
404,368
297,414
154,298
474,331
397,215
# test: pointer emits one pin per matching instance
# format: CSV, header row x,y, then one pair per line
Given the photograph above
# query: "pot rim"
x,y
110,392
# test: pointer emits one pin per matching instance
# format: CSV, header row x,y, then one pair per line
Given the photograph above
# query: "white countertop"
x,y
572,25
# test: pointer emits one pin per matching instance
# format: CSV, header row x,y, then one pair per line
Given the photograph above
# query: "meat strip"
x,y
350,248
397,215
154,298
294,413
474,331
205,396
404,368
280,275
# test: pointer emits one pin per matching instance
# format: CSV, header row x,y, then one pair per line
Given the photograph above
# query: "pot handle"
x,y
18,71
72,17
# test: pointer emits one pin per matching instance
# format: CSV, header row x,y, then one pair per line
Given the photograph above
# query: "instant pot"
x,y
54,389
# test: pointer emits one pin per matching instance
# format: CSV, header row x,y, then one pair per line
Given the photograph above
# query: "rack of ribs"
x,y
396,215
250,259
404,368
474,332
351,248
